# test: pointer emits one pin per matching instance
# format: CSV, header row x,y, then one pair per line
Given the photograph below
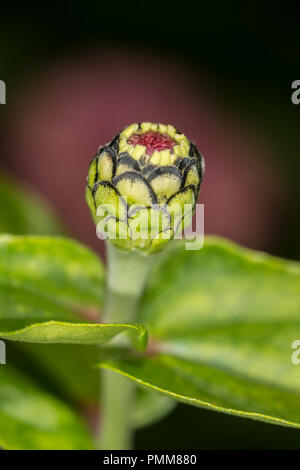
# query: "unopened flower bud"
x,y
143,186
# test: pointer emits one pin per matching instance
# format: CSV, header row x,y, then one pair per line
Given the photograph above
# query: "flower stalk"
x,y
127,275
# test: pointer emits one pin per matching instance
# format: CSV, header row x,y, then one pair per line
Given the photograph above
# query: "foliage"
x,y
216,327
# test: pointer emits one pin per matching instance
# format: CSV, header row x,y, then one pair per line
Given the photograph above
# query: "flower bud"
x,y
143,186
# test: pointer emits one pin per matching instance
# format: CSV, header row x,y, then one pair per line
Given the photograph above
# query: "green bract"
x,y
142,188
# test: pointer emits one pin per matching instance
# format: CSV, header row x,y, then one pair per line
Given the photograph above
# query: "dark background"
x,y
78,72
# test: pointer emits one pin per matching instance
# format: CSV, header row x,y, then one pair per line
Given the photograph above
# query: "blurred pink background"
x,y
59,119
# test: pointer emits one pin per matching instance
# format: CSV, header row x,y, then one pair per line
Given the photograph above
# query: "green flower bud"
x,y
143,186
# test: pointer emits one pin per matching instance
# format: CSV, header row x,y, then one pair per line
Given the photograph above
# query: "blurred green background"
x,y
79,72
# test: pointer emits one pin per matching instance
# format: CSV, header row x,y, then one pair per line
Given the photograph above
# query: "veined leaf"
x,y
44,284
209,387
69,332
223,320
32,419
56,268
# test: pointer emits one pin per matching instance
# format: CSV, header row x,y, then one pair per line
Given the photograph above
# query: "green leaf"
x,y
66,370
150,407
223,320
210,387
25,212
44,284
55,268
39,331
32,419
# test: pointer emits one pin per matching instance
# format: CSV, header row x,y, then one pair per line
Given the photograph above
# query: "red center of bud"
x,y
152,140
